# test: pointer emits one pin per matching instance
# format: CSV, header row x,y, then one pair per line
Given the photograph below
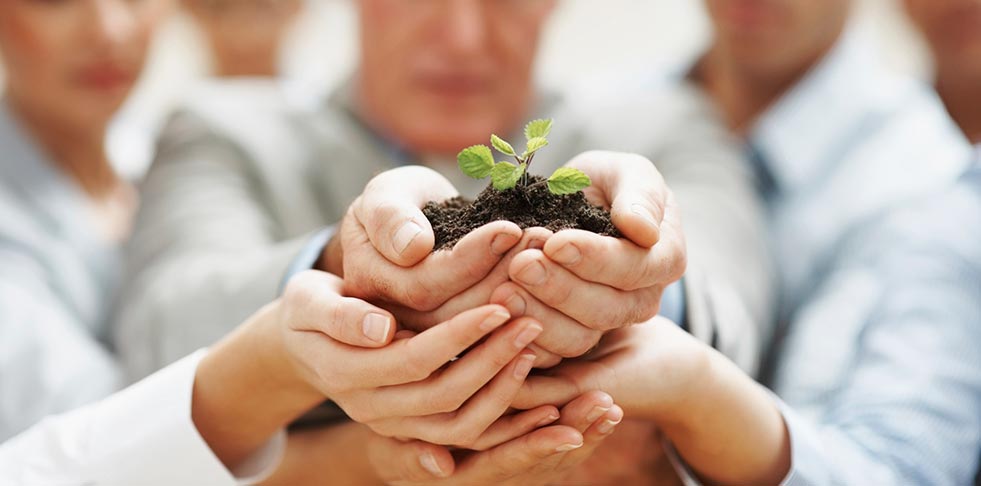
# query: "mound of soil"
x,y
527,205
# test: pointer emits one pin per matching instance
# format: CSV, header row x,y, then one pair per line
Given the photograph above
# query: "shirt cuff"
x,y
807,466
673,303
145,435
309,254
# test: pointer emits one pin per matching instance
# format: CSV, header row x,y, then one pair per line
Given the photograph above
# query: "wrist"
x,y
691,396
281,374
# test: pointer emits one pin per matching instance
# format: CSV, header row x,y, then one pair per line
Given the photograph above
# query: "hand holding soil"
x,y
556,278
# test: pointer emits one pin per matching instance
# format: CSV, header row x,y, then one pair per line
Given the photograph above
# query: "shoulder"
x,y
251,116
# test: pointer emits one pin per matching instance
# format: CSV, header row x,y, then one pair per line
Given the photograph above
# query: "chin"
x,y
442,139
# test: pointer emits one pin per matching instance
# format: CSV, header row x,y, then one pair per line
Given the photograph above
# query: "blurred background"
x,y
586,38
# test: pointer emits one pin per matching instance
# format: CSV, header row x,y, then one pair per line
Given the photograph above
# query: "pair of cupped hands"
x,y
433,350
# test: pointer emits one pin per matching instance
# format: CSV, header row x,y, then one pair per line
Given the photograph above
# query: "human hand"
x,y
538,458
564,281
384,249
650,369
408,387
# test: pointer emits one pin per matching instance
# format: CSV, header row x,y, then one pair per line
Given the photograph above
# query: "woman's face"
x,y
76,60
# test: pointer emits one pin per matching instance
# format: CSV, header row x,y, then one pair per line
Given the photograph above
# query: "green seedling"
x,y
478,162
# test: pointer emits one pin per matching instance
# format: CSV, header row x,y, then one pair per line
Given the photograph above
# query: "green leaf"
x,y
502,145
567,180
538,129
534,145
506,175
476,161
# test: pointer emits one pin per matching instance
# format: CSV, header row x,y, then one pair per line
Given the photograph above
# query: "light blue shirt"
x,y
879,368
899,402
56,278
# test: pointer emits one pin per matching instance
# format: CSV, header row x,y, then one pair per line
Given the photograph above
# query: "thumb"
x,y
410,462
389,211
633,189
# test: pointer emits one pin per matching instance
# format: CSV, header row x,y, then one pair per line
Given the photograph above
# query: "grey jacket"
x,y
247,172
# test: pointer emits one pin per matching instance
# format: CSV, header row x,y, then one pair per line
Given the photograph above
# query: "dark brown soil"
x,y
527,206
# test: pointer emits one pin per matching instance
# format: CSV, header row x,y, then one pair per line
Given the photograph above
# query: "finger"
x,y
390,211
511,427
594,435
616,262
462,428
583,411
605,425
633,189
415,359
545,359
562,335
413,461
518,456
565,292
546,390
477,295
452,387
437,278
313,303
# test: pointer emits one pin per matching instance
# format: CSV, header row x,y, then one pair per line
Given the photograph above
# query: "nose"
x,y
111,21
465,25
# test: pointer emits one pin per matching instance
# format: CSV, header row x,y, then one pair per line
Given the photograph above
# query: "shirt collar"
x,y
30,174
807,128
345,98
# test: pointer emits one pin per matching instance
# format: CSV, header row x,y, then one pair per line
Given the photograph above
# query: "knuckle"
x,y
299,292
415,368
446,403
582,345
420,297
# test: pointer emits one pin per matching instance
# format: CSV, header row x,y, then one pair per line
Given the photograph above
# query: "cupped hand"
x,y
412,386
384,249
537,458
650,369
602,282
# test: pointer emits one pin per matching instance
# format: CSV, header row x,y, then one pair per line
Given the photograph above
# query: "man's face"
x,y
439,75
776,35
953,30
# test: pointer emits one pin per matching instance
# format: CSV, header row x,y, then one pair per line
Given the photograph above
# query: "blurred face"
x,y
776,35
439,75
953,29
75,59
245,35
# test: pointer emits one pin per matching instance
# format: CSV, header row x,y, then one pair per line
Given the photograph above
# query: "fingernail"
x,y
596,413
607,426
375,327
547,420
568,447
523,367
527,336
533,274
496,319
428,462
515,305
644,213
503,242
404,236
567,255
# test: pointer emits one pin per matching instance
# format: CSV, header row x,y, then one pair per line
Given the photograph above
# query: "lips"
x,y
455,84
104,77
750,13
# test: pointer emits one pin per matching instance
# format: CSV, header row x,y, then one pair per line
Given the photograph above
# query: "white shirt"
x,y
142,436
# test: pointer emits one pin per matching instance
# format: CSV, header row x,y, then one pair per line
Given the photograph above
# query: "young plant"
x,y
478,162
